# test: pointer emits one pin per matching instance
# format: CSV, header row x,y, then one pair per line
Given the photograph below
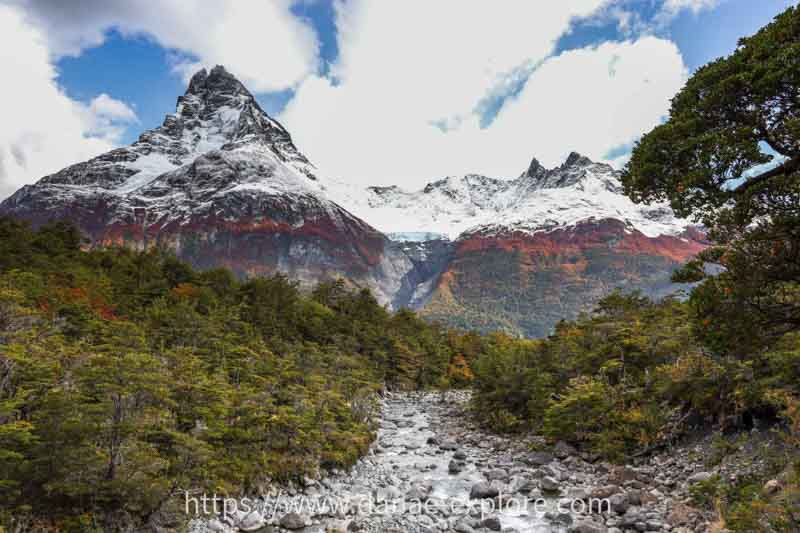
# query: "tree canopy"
x,y
729,155
733,115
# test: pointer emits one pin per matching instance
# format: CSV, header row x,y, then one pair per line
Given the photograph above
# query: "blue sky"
x,y
381,94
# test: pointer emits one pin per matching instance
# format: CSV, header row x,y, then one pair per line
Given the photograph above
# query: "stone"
x,y
497,474
292,521
588,527
418,494
606,491
619,503
619,475
699,477
562,450
564,519
483,490
252,522
680,515
540,458
463,527
386,494
548,484
527,486
492,523
631,517
454,467
216,525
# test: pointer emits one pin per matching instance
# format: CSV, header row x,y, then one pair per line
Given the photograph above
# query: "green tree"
x,y
734,116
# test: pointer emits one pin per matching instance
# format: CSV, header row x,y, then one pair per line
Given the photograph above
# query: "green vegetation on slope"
x,y
128,377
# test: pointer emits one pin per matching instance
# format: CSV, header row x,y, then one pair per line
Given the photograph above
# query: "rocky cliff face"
x,y
524,283
222,184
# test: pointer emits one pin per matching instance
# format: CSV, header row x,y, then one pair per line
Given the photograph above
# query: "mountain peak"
x,y
198,79
574,159
219,107
535,169
209,85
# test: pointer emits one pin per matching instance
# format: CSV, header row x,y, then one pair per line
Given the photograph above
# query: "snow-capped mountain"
x,y
520,254
539,199
222,184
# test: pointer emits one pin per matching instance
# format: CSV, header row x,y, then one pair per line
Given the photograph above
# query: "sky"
x,y
374,92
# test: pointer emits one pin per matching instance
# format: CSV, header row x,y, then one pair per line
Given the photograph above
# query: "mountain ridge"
x,y
537,200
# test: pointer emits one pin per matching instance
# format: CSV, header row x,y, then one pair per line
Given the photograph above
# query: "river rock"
x,y
699,477
540,458
497,474
418,494
292,521
483,490
251,522
562,450
462,527
588,527
492,523
548,484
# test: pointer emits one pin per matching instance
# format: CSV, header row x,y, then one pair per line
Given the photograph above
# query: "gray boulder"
x,y
482,490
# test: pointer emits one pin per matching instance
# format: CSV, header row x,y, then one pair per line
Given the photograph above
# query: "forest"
x,y
127,377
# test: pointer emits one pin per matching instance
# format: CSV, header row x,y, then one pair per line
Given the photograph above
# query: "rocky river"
x,y
431,470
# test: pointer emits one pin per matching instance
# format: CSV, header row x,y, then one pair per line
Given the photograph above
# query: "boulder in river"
x,y
548,484
483,490
492,523
292,521
540,458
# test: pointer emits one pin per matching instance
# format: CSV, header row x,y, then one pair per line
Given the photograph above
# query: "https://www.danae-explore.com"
x,y
206,506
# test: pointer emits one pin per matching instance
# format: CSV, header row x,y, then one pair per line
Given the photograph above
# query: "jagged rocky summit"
x,y
222,184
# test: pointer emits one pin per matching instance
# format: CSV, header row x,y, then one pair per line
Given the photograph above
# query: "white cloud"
x,y
408,69
632,22
105,106
107,118
592,100
262,42
674,6
42,129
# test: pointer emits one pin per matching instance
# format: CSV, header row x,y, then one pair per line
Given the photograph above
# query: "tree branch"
x,y
787,167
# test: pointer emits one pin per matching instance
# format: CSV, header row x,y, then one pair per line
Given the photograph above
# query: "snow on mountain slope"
x,y
215,111
538,200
